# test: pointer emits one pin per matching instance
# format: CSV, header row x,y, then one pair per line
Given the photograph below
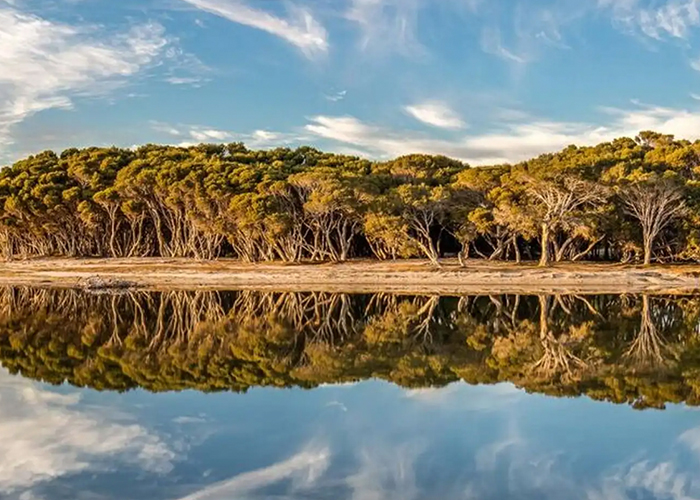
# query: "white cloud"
x,y
511,142
517,136
381,142
45,64
265,136
691,439
437,114
340,385
184,80
301,29
208,135
44,435
304,469
184,420
166,129
190,135
350,130
481,398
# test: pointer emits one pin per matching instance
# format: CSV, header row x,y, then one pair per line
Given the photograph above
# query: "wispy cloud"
x,y
672,18
437,114
387,25
388,471
46,64
492,43
338,96
300,29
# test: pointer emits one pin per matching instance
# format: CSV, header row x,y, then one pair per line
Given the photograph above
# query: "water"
x,y
245,395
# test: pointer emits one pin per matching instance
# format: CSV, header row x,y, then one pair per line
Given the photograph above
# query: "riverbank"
x,y
408,276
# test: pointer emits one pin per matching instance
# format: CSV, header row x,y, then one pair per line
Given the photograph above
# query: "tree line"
x,y
627,200
638,350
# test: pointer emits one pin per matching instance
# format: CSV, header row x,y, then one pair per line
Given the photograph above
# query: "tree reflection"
x,y
648,348
558,357
638,350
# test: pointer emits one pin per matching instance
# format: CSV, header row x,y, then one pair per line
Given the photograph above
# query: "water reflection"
x,y
641,350
370,440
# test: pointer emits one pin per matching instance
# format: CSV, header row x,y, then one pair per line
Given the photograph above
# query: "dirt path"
x,y
357,276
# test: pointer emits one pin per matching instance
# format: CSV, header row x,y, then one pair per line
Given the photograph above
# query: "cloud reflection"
x,y
304,469
45,435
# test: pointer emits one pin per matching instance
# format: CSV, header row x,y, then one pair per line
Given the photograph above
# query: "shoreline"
x,y
358,276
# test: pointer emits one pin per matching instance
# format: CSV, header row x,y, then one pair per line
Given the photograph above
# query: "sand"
x,y
361,276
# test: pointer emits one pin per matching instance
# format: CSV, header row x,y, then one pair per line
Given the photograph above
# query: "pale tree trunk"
x,y
544,259
585,252
463,254
516,249
648,249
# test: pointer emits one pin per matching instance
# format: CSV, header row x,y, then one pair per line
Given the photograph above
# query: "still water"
x,y
251,395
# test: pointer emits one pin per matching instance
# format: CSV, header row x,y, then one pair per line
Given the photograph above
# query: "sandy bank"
x,y
358,276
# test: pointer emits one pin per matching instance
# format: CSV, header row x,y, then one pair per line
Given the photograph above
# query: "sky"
x,y
485,81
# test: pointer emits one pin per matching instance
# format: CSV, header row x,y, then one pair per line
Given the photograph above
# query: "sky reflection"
x,y
370,440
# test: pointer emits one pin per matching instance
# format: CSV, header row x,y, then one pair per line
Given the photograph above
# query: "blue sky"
x,y
485,81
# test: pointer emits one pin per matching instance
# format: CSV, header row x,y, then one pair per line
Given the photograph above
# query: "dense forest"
x,y
627,200
639,350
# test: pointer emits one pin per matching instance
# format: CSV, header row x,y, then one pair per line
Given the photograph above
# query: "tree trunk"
x,y
544,259
516,249
561,251
585,252
648,245
463,254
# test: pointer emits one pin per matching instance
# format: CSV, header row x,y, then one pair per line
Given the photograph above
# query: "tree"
x,y
423,209
331,211
560,204
655,205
